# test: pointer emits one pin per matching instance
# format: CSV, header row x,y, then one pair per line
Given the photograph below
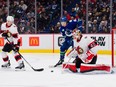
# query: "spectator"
x,y
23,5
67,15
100,11
103,28
76,8
47,12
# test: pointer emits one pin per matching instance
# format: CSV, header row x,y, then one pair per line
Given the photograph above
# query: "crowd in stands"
x,y
99,16
114,14
48,11
3,11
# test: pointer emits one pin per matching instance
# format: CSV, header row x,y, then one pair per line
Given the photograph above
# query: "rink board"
x,y
48,43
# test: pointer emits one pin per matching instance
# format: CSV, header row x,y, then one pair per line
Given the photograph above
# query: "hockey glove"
x,y
16,47
6,34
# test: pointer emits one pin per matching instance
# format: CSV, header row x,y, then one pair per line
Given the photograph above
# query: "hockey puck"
x,y
52,71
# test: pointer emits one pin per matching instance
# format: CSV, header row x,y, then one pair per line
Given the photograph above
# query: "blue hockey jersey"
x,y
71,25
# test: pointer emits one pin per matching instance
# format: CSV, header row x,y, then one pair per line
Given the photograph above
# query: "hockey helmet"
x,y
10,18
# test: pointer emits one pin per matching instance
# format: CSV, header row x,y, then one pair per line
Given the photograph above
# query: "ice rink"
x,y
46,78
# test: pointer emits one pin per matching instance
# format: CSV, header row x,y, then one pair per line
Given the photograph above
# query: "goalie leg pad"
x,y
70,66
92,67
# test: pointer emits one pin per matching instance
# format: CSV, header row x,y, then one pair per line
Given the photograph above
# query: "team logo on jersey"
x,y
1,41
33,41
60,40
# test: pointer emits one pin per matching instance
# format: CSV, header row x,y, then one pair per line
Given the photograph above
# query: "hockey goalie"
x,y
85,54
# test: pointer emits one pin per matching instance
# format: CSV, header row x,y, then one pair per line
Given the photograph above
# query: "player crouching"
x,y
85,52
10,34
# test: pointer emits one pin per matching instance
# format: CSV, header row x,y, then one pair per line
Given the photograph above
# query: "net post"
x,y
112,49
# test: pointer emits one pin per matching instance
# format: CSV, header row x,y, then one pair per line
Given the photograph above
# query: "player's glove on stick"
x,y
6,34
15,47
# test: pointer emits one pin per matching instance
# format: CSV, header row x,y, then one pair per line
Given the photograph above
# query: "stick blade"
x,y
41,69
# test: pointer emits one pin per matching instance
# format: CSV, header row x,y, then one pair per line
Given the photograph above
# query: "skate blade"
x,y
8,67
23,69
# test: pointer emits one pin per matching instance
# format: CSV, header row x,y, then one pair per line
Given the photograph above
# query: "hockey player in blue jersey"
x,y
66,30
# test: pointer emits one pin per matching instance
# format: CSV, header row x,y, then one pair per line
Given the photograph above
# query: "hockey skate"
x,y
21,66
59,63
6,65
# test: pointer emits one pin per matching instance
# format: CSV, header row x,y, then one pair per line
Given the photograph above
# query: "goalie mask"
x,y
77,35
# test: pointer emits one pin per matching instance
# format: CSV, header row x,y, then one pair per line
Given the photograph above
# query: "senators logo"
x,y
1,41
33,41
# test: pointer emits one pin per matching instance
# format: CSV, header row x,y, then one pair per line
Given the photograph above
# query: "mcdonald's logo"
x,y
33,41
1,41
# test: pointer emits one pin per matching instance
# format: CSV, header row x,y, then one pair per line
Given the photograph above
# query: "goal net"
x,y
113,47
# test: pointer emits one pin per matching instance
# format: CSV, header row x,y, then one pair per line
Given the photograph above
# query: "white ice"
x,y
46,78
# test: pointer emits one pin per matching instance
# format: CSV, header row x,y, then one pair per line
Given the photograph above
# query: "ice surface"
x,y
46,78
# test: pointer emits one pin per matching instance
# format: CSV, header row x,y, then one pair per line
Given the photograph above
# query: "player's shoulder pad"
x,y
62,29
3,24
14,26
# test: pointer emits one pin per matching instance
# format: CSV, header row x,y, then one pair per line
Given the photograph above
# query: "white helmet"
x,y
10,18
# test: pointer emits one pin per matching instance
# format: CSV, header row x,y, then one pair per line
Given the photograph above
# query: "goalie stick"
x,y
41,69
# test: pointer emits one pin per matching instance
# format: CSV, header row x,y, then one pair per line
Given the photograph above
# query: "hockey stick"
x,y
70,57
41,69
66,65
